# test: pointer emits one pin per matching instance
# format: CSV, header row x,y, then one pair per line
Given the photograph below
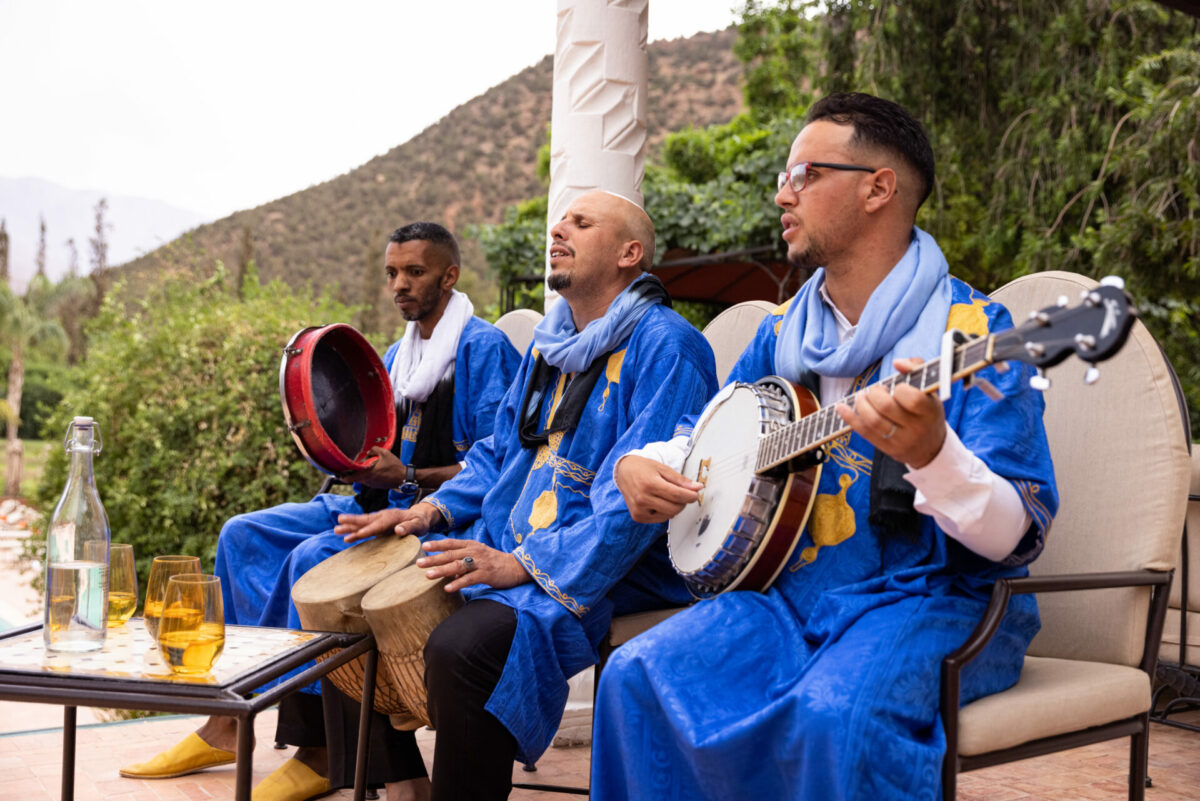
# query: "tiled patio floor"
x,y
30,766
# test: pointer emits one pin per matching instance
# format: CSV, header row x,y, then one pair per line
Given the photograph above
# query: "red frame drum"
x,y
337,397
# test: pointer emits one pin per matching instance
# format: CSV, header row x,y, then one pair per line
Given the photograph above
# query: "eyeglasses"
x,y
797,175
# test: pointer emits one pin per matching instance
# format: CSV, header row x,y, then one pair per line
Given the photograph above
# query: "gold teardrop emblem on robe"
x,y
612,374
832,521
544,510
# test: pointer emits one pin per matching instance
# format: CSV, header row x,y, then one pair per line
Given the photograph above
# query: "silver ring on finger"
x,y
468,564
889,434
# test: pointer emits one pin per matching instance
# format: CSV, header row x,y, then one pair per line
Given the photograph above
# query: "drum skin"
x,y
337,398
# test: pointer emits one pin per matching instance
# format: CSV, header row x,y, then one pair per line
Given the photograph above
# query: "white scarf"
x,y
420,364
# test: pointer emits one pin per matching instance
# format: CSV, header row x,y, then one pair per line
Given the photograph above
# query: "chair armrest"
x,y
1004,589
329,483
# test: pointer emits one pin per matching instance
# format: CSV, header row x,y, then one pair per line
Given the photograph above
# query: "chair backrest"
x,y
730,332
518,326
1193,531
1121,461
1178,626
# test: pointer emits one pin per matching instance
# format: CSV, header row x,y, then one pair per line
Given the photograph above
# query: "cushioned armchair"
x,y
1179,669
1120,451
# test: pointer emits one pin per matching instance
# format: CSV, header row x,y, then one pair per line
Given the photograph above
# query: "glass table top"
x,y
130,653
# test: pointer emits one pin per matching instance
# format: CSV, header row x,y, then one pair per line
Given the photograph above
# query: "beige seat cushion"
x,y
626,627
1053,696
731,331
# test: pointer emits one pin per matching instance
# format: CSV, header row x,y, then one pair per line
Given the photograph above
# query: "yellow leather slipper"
x,y
291,781
189,755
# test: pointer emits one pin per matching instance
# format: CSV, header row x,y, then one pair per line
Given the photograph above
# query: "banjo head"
x,y
711,541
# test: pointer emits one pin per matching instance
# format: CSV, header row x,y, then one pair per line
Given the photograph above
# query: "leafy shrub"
x,y
184,386
40,393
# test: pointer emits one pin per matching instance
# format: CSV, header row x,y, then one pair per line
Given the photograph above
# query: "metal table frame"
x,y
232,698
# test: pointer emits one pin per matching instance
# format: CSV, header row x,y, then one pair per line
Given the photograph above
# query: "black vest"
x,y
435,438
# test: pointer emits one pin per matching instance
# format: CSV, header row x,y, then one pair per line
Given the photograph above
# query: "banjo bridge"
x,y
702,475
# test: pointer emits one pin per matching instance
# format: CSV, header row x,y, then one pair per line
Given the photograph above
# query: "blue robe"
x,y
260,555
826,686
557,510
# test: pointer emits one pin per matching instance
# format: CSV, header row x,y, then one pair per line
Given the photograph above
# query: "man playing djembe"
x,y
449,373
553,550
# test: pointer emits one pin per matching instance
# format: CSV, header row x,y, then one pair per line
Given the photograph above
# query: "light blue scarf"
x,y
572,351
905,316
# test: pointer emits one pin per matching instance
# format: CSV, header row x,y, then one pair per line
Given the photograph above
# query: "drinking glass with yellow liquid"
x,y
122,584
191,631
162,569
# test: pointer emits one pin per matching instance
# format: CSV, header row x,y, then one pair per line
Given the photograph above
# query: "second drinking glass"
x,y
161,569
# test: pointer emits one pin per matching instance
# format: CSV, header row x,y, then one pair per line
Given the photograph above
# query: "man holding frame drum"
x,y
449,373
533,529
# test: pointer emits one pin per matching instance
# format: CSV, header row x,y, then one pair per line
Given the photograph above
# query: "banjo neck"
x,y
824,425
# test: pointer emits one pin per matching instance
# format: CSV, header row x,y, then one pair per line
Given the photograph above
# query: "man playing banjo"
x,y
826,685
449,373
538,538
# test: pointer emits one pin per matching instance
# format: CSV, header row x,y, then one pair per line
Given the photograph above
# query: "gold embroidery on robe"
x,y
832,519
831,522
545,510
409,433
969,318
612,374
780,311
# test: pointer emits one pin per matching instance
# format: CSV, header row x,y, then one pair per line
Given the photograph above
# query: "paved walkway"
x,y
30,767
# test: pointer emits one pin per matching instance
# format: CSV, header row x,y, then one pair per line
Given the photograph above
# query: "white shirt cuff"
x,y
969,502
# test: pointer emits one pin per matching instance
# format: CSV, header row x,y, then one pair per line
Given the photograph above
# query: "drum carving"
x,y
329,598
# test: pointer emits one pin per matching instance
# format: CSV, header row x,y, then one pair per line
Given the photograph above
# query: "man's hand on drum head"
x,y
653,492
471,562
416,521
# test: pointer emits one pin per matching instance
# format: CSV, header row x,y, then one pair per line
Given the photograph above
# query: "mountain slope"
x,y
466,168
138,225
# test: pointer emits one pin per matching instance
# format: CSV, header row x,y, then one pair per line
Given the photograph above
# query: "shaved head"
x,y
636,223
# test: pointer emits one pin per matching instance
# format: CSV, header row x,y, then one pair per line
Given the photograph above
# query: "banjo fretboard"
x,y
823,425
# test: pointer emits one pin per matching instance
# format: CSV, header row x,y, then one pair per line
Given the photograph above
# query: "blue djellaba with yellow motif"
x,y
261,554
556,508
826,686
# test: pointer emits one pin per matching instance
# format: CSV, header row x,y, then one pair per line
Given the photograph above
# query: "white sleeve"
x,y
672,453
969,502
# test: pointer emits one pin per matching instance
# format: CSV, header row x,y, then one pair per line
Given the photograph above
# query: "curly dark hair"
x,y
883,124
428,232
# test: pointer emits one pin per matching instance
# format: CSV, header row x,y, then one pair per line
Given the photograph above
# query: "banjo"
x,y
759,447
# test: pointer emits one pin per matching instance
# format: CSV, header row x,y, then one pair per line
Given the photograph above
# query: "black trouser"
x,y
473,752
393,755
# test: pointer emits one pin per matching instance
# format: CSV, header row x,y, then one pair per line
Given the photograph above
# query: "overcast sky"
x,y
222,105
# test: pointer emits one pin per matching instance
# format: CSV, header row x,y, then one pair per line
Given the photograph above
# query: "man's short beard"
x,y
423,309
557,282
809,259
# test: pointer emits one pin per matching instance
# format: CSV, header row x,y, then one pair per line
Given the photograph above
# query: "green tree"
x,y
3,253
40,258
25,321
184,385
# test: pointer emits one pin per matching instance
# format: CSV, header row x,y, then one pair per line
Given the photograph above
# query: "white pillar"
x,y
597,141
598,118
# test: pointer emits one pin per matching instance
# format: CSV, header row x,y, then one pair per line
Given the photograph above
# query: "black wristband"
x,y
410,479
